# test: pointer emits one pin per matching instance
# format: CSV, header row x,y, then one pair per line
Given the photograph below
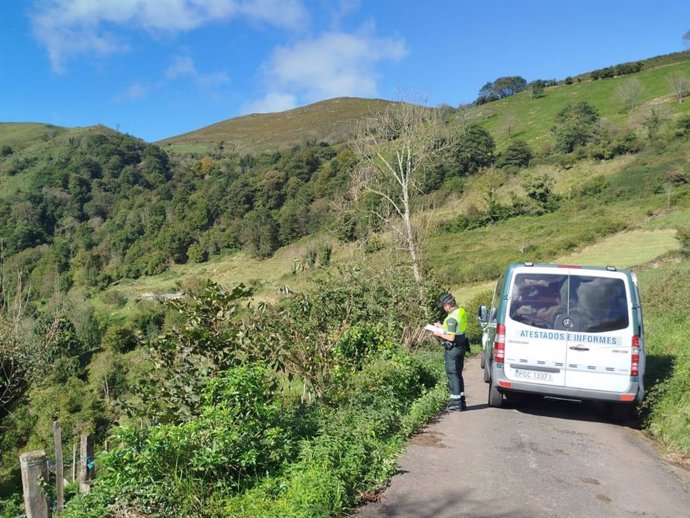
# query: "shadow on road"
x,y
597,412
448,505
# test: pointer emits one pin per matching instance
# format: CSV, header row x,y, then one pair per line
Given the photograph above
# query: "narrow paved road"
x,y
536,459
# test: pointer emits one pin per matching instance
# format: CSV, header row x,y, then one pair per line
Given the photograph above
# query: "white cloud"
x,y
72,27
182,67
272,102
334,65
135,91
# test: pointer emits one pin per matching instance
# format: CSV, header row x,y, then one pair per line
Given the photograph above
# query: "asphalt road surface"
x,y
536,458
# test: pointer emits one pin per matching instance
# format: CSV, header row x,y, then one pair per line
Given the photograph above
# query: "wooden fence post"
x,y
59,467
85,463
34,466
74,462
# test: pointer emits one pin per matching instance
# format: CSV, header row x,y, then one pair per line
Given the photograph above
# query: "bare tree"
x,y
629,93
25,343
394,148
679,86
653,119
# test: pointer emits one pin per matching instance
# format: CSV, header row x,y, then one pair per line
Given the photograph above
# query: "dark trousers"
x,y
454,359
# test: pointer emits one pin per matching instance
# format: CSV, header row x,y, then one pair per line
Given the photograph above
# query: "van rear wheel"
x,y
495,397
487,372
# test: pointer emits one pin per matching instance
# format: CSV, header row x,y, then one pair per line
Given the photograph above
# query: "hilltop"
x,y
330,121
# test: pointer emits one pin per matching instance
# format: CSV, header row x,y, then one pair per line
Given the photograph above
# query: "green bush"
x,y
119,339
357,443
13,507
517,154
237,439
197,253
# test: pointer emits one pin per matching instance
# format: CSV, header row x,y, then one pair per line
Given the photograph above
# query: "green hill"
x,y
329,121
520,117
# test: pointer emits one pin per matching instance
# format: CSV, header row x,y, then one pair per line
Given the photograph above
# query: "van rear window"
x,y
569,302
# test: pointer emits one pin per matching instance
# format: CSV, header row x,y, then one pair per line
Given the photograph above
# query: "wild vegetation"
x,y
237,400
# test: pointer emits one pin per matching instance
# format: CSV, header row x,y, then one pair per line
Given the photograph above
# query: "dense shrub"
x,y
171,470
684,238
517,154
474,149
575,126
248,447
119,339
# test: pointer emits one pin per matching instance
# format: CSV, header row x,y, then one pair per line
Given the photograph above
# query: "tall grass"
x,y
666,301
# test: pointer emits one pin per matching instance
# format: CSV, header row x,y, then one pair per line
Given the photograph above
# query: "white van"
x,y
567,332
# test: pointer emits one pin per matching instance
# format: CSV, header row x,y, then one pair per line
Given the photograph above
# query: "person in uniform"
x,y
452,335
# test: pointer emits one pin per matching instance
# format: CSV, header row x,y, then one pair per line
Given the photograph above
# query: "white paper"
x,y
431,327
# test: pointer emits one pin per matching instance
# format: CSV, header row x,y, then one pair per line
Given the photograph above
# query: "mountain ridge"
x,y
331,121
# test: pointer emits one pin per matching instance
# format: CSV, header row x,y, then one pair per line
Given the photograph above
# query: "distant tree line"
x,y
617,70
507,86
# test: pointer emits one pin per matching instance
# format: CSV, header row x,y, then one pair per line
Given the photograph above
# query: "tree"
x,y
654,119
487,93
517,154
474,149
629,93
260,233
27,343
679,86
395,147
535,89
507,86
576,125
500,88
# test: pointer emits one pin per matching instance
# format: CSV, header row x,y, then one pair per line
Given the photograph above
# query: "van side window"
x,y
495,299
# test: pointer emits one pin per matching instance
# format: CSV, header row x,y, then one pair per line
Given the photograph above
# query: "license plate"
x,y
533,375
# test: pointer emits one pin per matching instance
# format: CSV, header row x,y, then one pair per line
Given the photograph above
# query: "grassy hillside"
x,y
529,119
329,121
27,147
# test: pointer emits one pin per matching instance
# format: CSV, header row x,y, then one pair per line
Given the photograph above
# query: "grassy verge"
x,y
315,462
666,301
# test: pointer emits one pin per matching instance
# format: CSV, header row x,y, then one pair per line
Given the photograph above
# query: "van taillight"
x,y
635,357
500,343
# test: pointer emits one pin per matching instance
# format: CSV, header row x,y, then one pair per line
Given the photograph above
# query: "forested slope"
x,y
90,219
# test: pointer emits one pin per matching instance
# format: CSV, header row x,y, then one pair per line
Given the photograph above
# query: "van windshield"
x,y
573,303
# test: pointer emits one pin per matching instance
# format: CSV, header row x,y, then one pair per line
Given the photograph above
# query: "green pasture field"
x,y
531,119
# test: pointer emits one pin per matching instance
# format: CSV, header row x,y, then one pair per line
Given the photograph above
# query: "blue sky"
x,y
159,68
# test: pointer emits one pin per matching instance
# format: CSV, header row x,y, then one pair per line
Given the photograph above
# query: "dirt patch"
x,y
429,440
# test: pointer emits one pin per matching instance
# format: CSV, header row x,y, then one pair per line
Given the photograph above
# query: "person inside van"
x,y
536,299
599,305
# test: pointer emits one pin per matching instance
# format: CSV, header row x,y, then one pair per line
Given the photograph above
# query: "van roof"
x,y
573,266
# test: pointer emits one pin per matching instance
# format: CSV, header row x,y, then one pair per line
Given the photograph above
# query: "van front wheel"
x,y
495,397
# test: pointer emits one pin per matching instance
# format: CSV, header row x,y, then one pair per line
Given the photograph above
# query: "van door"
x,y
535,352
599,328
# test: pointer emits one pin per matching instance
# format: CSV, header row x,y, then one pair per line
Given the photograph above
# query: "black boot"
x,y
463,404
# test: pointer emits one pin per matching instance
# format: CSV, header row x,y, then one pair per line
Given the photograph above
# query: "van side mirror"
x,y
482,316
492,315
